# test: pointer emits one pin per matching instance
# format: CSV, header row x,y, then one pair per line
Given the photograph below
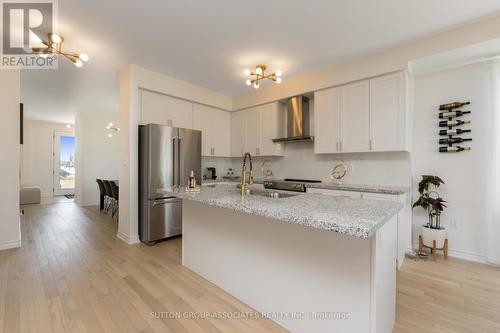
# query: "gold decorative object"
x,y
260,74
339,171
53,45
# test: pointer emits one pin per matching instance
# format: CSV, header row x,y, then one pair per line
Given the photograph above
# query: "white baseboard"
x,y
128,239
465,255
10,244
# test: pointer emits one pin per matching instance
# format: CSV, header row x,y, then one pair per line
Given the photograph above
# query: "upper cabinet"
x,y
326,120
387,112
354,117
254,129
365,116
161,109
238,134
215,126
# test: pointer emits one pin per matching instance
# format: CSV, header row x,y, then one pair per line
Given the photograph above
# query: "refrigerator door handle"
x,y
175,164
165,201
180,157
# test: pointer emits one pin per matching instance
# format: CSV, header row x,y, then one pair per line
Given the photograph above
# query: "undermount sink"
x,y
270,194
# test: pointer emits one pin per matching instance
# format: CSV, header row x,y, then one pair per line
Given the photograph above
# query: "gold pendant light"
x,y
53,45
260,74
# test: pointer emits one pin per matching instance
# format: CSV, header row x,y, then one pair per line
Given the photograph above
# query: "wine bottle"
x,y
454,149
449,114
450,141
456,131
450,123
453,105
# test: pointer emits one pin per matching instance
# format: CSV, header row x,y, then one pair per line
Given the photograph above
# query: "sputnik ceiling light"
x,y
112,129
260,74
53,45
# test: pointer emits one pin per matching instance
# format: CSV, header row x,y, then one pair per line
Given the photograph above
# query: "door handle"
x,y
165,201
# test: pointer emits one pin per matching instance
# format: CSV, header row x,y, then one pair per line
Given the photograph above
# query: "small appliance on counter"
x,y
211,173
230,175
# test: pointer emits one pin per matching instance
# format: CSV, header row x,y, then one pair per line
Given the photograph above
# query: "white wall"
x,y
97,156
300,161
132,80
10,233
36,158
464,173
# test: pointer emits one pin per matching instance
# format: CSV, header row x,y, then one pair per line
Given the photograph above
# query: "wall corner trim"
x,y
130,240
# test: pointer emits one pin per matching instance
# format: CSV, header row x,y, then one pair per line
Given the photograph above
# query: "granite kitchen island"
x,y
311,262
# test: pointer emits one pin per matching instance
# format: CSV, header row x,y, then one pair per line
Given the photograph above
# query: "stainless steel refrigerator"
x,y
166,156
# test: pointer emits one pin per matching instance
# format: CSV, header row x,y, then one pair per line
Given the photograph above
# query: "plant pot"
x,y
430,235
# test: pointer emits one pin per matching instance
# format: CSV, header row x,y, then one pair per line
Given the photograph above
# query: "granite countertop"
x,y
332,186
354,217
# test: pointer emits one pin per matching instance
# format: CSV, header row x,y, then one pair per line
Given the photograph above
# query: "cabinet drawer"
x,y
380,196
351,194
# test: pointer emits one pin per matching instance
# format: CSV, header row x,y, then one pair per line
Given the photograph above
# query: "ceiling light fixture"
x,y
260,74
53,45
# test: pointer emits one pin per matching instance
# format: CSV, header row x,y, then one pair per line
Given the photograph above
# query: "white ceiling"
x,y
210,42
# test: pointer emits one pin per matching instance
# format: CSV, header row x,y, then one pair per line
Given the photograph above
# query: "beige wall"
x,y
97,156
37,160
10,90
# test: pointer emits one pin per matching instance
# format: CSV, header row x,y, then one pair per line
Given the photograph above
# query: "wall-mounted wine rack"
x,y
448,117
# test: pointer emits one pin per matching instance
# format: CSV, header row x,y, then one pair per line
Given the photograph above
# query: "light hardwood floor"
x,y
73,275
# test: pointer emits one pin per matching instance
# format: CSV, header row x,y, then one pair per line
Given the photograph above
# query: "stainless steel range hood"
x,y
297,121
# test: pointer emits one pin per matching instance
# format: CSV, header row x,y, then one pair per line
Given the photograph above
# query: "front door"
x,y
64,163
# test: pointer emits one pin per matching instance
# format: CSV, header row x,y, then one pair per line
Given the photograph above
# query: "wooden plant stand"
x,y
433,248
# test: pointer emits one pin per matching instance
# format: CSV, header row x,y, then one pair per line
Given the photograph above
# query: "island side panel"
x,y
275,266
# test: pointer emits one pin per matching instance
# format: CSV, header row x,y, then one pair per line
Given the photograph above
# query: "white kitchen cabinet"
x,y
365,116
354,117
215,126
238,133
262,124
252,130
387,112
161,109
272,126
326,121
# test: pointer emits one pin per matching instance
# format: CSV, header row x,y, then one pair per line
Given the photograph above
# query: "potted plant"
x,y
434,205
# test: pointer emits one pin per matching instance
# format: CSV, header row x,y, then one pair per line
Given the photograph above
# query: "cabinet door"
x,y
202,121
387,112
327,121
215,127
238,136
252,130
180,113
272,127
160,109
354,118
154,108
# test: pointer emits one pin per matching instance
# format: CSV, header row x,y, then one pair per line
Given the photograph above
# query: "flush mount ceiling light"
x,y
53,45
112,129
260,74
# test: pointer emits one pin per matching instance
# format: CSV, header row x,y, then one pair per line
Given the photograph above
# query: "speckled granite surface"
x,y
353,217
332,186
